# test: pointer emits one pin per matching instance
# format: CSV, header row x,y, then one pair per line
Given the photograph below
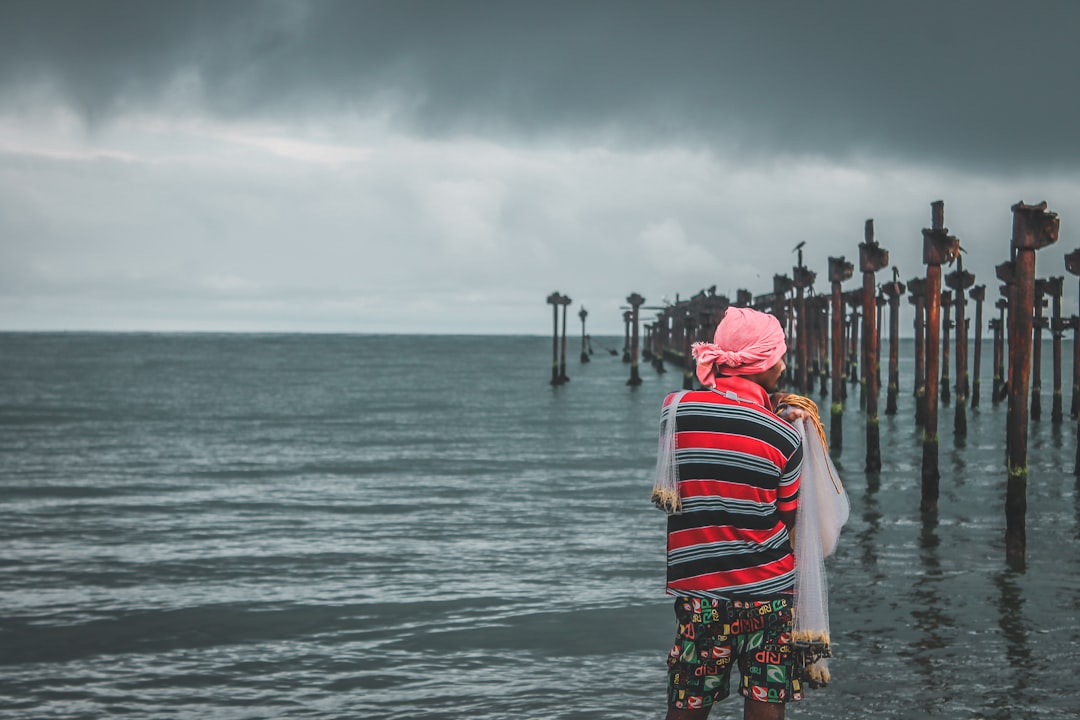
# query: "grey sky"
x,y
443,166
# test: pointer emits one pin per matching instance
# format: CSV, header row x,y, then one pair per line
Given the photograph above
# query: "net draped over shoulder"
x,y
822,511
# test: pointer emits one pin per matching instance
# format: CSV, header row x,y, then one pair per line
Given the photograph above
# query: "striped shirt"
x,y
738,465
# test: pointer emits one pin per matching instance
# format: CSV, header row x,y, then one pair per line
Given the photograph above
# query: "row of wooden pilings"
x,y
813,359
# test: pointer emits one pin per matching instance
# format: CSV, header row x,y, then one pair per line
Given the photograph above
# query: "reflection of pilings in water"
x,y
839,271
872,257
978,294
929,619
1014,630
1033,228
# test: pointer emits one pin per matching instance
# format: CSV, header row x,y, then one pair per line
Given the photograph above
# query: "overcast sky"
x,y
443,166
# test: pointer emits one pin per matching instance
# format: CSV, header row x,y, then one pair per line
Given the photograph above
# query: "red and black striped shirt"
x,y
738,465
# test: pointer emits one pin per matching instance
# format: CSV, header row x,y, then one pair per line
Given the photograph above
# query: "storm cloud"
x,y
426,166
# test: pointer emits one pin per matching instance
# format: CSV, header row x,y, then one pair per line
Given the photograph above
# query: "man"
x,y
729,557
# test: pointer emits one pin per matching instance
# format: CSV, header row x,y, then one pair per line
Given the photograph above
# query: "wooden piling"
x,y
1039,323
839,271
583,313
554,300
1055,288
917,297
960,280
893,291
1033,228
1072,264
803,277
938,248
946,325
636,301
563,377
821,309
978,294
626,316
872,257
999,392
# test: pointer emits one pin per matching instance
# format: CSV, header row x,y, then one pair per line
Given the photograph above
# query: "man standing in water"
x,y
729,557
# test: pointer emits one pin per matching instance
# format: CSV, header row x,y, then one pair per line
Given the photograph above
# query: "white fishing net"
x,y
665,492
823,509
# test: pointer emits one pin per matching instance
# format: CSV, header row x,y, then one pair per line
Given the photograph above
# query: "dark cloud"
x,y
983,85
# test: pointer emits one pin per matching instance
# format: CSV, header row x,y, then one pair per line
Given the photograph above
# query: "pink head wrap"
x,y
746,342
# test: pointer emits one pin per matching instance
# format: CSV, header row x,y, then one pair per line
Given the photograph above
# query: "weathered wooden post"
x,y
563,377
1054,288
872,257
893,291
782,286
822,309
689,368
1036,348
1074,325
1006,273
1033,228
880,301
626,316
938,248
839,271
917,297
1072,264
946,325
854,301
960,280
803,278
1000,382
553,300
583,313
978,294
636,301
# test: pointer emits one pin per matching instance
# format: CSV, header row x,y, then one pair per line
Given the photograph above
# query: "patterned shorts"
x,y
714,633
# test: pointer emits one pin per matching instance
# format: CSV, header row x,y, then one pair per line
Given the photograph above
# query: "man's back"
x,y
738,467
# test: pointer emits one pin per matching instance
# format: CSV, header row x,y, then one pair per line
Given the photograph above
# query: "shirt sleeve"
x,y
787,495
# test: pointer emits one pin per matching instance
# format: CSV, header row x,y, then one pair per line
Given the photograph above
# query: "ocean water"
x,y
303,526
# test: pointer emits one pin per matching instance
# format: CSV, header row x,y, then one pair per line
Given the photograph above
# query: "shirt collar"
x,y
745,389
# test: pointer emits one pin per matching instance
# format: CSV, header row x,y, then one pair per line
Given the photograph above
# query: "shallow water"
x,y
256,526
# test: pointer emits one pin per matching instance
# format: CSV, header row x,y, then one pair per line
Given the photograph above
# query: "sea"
x,y
245,526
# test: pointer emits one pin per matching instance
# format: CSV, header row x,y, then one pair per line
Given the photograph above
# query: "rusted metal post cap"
x,y
872,257
803,276
1033,227
782,284
839,269
1006,273
959,279
939,247
1072,262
